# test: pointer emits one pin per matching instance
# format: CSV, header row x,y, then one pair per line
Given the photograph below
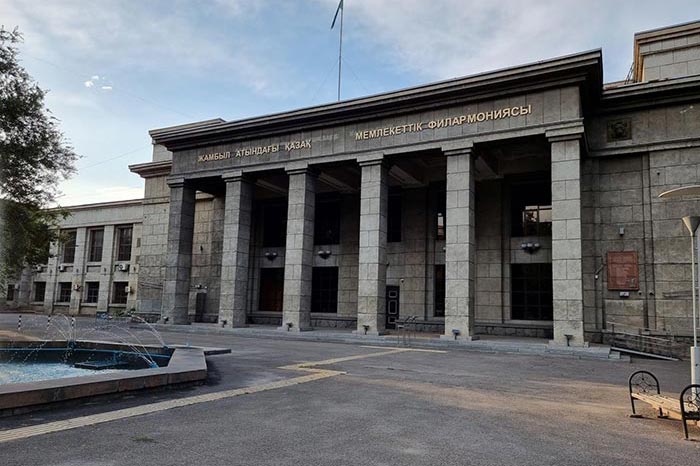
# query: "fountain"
x,y
72,361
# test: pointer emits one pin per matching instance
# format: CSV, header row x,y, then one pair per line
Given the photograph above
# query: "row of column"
x,y
459,248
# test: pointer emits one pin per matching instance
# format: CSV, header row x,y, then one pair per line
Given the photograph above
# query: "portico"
x,y
359,213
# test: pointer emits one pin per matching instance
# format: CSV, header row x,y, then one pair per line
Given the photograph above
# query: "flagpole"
x,y
340,50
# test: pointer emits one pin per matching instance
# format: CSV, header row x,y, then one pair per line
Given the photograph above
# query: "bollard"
x,y
48,325
72,328
19,324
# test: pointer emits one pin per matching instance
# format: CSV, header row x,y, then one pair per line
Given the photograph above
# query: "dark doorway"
x,y
392,306
324,290
531,291
200,306
271,289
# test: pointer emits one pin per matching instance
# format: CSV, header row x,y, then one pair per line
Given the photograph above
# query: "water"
x,y
17,372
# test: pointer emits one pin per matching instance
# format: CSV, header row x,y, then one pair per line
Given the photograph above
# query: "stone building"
x,y
522,201
95,269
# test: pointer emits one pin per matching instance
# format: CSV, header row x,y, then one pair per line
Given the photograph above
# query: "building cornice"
x,y
582,69
650,94
102,205
152,169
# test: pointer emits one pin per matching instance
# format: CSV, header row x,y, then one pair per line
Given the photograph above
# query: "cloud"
x,y
106,88
89,83
441,39
149,34
81,192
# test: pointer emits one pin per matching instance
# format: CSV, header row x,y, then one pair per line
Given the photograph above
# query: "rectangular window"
x,y
274,223
92,291
394,218
531,291
531,209
439,291
10,293
39,292
124,239
324,289
64,292
327,220
119,293
96,242
271,289
69,238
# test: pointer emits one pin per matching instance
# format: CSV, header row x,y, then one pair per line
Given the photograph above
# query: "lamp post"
x,y
691,223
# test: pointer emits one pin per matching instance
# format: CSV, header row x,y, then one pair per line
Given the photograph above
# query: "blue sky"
x,y
116,69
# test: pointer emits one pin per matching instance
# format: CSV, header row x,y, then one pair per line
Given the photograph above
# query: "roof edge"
x,y
506,77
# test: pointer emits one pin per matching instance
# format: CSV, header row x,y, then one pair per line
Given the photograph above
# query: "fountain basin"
x,y
174,366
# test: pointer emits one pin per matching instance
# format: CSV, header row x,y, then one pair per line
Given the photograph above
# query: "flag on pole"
x,y
340,7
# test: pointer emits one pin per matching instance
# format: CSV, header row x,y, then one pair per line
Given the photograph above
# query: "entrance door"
x,y
271,289
200,307
392,306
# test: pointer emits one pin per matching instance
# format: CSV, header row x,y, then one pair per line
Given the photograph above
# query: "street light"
x,y
691,223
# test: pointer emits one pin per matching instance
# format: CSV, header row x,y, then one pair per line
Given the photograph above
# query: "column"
x,y
176,286
460,246
82,238
371,283
298,262
235,255
567,282
106,269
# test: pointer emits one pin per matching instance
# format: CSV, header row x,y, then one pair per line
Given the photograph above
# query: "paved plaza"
x,y
370,405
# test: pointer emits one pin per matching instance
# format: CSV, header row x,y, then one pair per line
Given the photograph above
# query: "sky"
x,y
115,69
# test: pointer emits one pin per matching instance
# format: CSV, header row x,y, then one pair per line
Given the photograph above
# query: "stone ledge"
x,y
186,365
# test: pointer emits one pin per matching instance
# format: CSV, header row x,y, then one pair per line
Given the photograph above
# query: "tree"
x,y
34,157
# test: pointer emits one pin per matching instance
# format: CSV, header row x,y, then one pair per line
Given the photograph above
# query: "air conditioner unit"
x,y
61,268
127,289
77,287
38,268
123,267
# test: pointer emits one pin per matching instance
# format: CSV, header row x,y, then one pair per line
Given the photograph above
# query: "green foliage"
x,y
34,157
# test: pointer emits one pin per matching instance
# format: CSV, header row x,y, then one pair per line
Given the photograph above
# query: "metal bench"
x,y
644,386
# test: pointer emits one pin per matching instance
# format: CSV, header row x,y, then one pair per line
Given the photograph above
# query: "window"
x,y
271,289
327,220
531,209
39,292
531,291
69,246
324,289
439,292
394,219
124,239
10,293
92,291
274,223
96,241
119,293
440,213
64,292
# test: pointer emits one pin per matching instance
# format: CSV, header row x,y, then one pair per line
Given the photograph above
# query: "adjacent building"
x,y
522,201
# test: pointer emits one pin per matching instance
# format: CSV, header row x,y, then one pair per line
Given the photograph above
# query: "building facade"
x,y
517,202
94,269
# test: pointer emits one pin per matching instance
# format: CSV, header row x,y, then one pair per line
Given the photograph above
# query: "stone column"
x,y
106,269
235,254
567,282
298,256
460,245
371,283
178,261
82,238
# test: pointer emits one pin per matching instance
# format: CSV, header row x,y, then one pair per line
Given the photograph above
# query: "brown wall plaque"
x,y
623,271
